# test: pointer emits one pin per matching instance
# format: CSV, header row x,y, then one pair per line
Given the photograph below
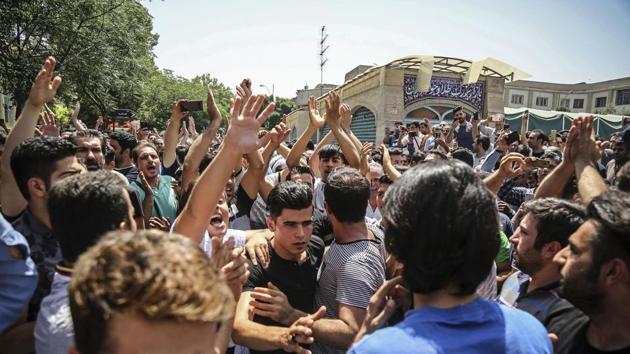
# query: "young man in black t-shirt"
x,y
295,257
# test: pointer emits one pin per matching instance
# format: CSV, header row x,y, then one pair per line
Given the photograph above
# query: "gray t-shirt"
x,y
350,274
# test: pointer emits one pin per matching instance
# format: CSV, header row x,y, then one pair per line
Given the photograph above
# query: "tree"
x,y
161,88
283,106
103,49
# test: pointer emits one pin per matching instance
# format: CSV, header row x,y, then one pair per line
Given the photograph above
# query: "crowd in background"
x,y
469,236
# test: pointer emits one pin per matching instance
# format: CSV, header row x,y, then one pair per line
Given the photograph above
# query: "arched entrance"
x,y
363,125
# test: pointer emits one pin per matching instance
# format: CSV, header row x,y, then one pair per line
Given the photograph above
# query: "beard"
x,y
528,262
581,289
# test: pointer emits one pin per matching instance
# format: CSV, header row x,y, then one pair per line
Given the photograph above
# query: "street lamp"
x,y
273,88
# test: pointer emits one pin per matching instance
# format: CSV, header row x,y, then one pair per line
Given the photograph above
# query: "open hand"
x,y
244,124
45,86
231,262
383,304
279,134
346,116
332,109
316,120
271,302
51,124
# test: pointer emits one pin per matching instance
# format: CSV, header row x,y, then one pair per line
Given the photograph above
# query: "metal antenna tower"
x,y
322,49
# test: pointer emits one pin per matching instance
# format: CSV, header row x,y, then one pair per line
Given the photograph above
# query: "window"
x,y
517,99
600,102
541,101
565,102
578,103
623,97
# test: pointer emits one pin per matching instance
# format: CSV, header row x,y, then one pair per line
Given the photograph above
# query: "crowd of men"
x,y
454,238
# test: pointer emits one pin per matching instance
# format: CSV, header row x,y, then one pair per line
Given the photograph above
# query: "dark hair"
x,y
395,151
465,155
623,178
437,153
524,150
556,219
553,155
457,109
83,207
289,195
484,141
125,140
109,154
330,151
3,137
181,151
384,179
443,226
205,161
346,194
310,145
136,151
541,135
37,158
299,170
89,133
610,213
418,156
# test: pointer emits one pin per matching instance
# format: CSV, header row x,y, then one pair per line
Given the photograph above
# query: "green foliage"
x,y
103,48
283,106
162,88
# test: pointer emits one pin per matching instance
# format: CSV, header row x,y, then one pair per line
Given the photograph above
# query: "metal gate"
x,y
363,126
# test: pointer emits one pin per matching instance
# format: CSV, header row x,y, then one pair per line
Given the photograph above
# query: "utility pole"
x,y
322,49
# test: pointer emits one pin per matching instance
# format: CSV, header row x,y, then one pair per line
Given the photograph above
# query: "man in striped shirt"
x,y
353,267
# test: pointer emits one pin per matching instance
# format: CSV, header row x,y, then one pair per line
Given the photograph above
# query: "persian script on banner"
x,y
472,94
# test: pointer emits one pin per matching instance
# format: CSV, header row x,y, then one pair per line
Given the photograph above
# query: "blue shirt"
x,y
478,327
18,277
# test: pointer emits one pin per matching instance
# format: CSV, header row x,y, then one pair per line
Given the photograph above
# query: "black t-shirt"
x,y
136,203
130,172
297,281
171,170
578,344
538,154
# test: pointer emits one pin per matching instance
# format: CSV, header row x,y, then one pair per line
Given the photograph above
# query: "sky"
x,y
276,42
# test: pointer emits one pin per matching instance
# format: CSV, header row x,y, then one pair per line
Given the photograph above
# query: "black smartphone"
x,y
512,137
475,116
191,106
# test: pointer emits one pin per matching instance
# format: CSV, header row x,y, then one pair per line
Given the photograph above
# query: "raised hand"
x,y
279,134
78,124
244,124
192,129
99,122
244,90
366,149
213,111
51,124
385,153
346,116
584,147
146,187
332,109
316,120
513,165
45,86
176,111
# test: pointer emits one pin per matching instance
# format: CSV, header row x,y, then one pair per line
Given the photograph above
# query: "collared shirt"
x,y
54,331
557,314
19,277
45,252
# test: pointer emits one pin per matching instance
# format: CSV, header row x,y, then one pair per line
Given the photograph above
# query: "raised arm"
x,y
345,143
523,135
76,122
43,91
277,135
346,121
315,122
388,167
172,135
241,137
511,166
451,132
201,144
585,155
553,185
